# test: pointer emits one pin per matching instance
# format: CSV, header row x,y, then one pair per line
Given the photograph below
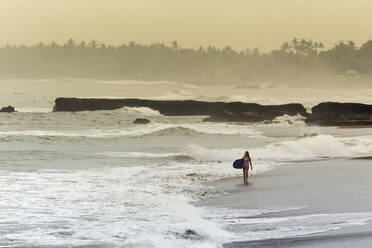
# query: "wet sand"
x,y
332,186
365,158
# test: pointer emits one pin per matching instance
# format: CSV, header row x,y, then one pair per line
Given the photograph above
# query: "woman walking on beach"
x,y
246,162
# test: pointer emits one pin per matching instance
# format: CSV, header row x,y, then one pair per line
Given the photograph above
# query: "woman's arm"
x,y
250,161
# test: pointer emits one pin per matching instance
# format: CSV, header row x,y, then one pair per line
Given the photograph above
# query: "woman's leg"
x,y
246,175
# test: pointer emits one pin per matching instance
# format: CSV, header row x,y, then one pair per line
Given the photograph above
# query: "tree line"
x,y
173,62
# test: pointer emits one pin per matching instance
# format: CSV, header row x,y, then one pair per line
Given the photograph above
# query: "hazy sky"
x,y
240,23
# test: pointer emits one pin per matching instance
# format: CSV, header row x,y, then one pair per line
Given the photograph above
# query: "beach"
x,y
323,189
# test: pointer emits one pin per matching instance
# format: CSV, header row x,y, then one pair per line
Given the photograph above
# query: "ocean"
x,y
94,179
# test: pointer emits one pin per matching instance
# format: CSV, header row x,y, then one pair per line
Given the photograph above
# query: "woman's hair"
x,y
247,153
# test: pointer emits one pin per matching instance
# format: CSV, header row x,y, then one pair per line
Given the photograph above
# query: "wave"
x,y
289,120
171,156
138,207
305,148
92,133
298,149
221,128
268,156
179,94
143,111
183,129
173,131
198,129
34,110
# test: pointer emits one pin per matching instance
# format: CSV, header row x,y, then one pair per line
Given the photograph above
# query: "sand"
x,y
332,186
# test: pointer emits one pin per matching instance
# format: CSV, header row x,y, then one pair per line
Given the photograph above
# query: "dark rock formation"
x,y
8,109
191,234
141,121
341,114
217,111
188,234
327,113
170,108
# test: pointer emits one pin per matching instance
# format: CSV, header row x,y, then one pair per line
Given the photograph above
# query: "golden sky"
x,y
239,23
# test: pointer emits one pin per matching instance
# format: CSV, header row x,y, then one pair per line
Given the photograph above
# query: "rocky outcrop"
x,y
141,121
325,114
341,114
169,108
8,109
217,111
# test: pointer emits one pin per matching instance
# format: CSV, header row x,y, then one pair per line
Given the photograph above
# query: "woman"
x,y
247,161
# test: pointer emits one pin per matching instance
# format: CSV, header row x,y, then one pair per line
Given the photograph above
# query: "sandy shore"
x,y
324,187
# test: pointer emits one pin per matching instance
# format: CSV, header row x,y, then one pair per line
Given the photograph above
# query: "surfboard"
x,y
238,164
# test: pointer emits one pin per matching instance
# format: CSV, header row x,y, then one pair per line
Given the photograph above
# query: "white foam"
x,y
222,128
295,149
305,148
359,145
143,111
233,215
136,131
179,94
137,154
34,110
92,133
289,120
131,206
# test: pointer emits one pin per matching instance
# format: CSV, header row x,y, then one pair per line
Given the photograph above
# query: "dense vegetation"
x,y
159,61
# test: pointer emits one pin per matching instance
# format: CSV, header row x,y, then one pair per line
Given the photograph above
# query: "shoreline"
x,y
327,187
363,158
356,237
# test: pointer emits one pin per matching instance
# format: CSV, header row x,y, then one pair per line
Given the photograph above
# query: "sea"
x,y
95,179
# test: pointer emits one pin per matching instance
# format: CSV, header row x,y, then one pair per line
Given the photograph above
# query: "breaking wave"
x,y
150,129
298,149
143,111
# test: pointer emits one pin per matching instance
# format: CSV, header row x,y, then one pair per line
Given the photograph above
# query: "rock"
x,y
141,121
191,235
169,108
341,114
191,175
217,111
8,109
